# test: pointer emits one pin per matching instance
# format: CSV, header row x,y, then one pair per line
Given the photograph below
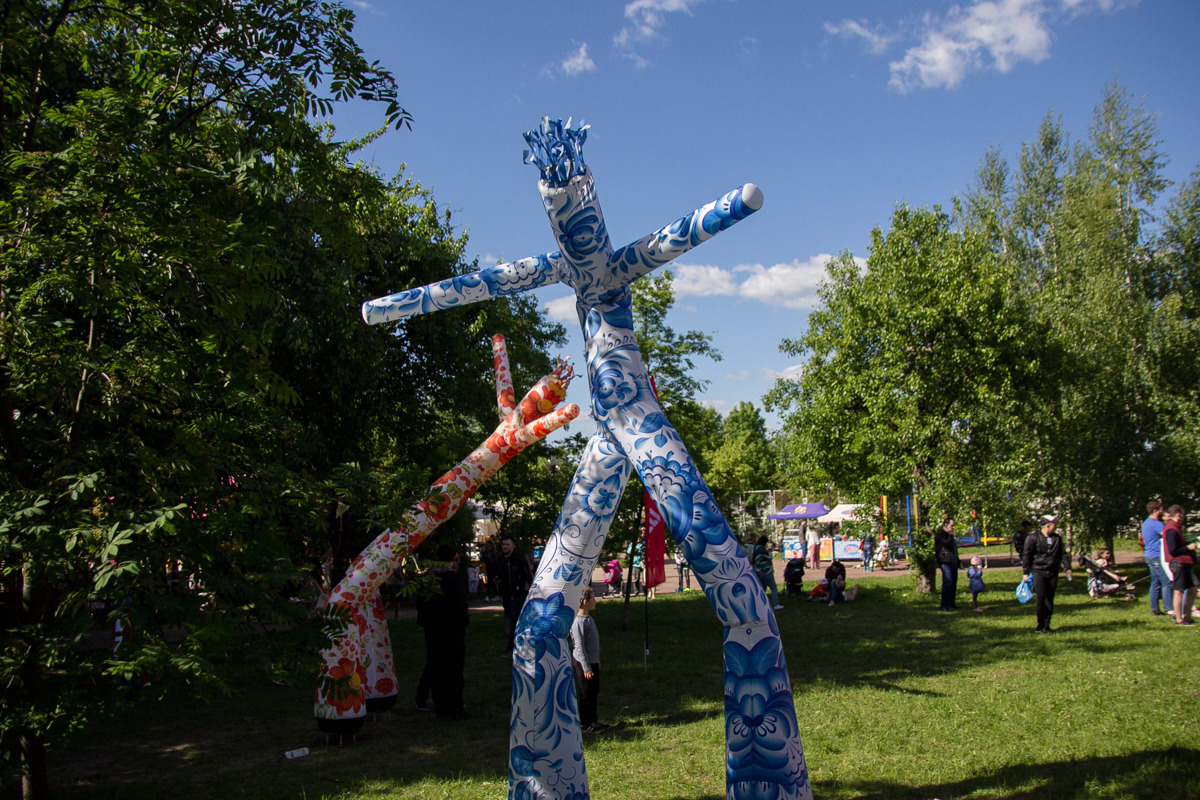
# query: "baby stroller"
x,y
612,577
1104,582
882,555
793,577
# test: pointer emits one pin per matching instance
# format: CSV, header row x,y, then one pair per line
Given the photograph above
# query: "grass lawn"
x,y
895,700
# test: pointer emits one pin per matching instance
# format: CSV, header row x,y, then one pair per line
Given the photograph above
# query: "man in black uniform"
x,y
1042,559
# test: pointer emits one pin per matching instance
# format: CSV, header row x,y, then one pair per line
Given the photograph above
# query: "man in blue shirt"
x,y
1152,534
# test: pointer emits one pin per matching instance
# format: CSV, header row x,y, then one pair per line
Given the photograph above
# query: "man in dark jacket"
x,y
1044,555
444,617
513,579
945,548
1019,538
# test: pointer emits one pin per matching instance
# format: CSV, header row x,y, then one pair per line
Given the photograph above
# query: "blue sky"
x,y
837,109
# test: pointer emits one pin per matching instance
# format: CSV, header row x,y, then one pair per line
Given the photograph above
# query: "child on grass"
x,y
585,660
975,577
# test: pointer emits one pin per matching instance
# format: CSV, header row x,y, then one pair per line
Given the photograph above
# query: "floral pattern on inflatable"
x,y
764,756
358,666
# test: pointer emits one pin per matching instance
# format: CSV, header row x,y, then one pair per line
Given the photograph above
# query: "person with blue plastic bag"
x,y
1025,590
1041,561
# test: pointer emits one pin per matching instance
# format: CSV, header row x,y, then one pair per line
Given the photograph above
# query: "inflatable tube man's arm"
x,y
496,281
339,695
650,252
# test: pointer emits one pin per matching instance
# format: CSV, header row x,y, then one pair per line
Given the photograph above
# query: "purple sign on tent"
x,y
804,511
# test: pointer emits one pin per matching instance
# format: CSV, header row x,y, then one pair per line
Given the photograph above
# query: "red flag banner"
x,y
656,544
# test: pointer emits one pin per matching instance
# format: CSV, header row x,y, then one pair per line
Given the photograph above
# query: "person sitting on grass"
x,y
1104,561
835,577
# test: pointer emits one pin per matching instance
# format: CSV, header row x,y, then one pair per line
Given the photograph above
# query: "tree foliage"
x,y
189,401
915,366
1028,352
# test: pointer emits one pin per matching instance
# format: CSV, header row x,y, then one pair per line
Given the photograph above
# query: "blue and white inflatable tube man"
x,y
764,756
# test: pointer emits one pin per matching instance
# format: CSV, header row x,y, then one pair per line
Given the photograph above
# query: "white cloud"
x,y
792,373
995,35
740,375
983,35
562,309
646,18
578,62
1103,6
722,407
876,41
694,280
791,285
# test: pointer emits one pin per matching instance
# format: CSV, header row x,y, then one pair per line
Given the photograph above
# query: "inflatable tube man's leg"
x,y
545,746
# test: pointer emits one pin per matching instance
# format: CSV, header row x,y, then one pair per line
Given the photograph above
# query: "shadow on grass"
x,y
1156,775
234,746
889,627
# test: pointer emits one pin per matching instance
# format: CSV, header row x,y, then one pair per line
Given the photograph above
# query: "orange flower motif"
x,y
385,686
346,693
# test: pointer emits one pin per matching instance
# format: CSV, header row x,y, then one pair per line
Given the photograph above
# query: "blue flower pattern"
x,y
764,756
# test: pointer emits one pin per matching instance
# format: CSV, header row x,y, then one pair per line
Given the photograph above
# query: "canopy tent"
x,y
842,512
805,511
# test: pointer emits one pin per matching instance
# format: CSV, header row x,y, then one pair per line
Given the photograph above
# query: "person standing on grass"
x,y
513,579
445,619
1183,565
1152,541
489,560
945,548
812,540
585,661
975,581
1041,560
682,569
1018,540
764,568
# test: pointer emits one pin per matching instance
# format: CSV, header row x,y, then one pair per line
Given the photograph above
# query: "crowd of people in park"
x,y
506,576
1168,551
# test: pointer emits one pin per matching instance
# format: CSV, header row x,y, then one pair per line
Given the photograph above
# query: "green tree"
x,y
915,370
742,462
184,379
1174,452
1095,294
